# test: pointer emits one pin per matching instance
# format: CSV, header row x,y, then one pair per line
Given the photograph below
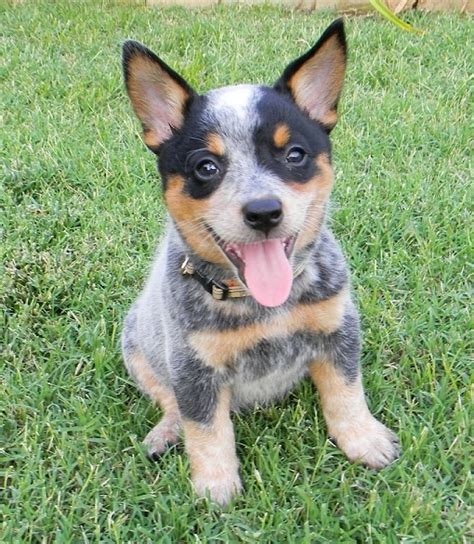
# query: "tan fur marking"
x,y
359,435
338,397
166,432
149,138
149,383
219,348
321,183
189,214
322,317
216,348
215,144
282,135
211,451
329,119
320,187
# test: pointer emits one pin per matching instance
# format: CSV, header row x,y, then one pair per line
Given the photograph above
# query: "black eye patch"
x,y
292,163
188,154
287,141
203,172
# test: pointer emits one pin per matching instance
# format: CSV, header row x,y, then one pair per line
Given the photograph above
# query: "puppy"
x,y
249,292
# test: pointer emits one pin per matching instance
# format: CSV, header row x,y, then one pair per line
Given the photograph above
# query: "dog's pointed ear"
x,y
158,94
315,79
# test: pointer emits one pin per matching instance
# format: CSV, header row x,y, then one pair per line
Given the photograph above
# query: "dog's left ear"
x,y
315,79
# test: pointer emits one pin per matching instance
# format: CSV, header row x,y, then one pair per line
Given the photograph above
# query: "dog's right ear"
x,y
158,94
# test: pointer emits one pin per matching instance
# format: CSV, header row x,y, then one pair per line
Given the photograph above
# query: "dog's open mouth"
x,y
264,267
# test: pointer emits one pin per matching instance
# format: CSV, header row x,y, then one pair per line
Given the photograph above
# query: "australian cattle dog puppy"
x,y
249,292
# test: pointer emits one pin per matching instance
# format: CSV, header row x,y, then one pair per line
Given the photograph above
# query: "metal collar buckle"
x,y
217,289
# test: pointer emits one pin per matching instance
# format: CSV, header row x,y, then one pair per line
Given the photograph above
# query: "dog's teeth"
x,y
233,251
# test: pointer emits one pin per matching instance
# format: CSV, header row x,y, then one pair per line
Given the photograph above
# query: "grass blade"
x,y
392,17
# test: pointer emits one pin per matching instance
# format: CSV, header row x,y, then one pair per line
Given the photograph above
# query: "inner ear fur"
x,y
315,79
159,96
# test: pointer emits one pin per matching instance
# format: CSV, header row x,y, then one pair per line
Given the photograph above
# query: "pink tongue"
x,y
267,272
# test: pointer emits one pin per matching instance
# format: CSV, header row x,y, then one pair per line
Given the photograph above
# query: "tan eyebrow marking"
x,y
215,144
282,134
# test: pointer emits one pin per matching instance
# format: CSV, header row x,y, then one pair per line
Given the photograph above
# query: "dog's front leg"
x,y
337,377
208,432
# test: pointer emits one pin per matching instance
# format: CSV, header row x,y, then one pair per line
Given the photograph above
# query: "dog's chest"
x,y
271,369
262,359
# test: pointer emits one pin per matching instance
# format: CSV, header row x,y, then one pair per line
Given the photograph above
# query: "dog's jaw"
x,y
264,266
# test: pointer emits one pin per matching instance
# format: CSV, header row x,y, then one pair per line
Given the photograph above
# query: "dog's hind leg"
x,y
166,433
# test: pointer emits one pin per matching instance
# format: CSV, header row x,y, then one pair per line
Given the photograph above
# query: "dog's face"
x,y
245,169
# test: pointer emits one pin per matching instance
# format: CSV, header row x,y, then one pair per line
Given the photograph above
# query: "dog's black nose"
x,y
263,214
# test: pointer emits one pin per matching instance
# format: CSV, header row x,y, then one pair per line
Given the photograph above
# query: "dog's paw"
x,y
221,488
369,442
162,436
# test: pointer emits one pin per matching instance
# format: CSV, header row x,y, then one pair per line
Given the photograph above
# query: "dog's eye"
x,y
206,170
296,156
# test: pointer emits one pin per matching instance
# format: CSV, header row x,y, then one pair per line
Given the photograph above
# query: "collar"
x,y
222,290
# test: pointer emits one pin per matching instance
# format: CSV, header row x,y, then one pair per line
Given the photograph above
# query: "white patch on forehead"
x,y
238,100
233,113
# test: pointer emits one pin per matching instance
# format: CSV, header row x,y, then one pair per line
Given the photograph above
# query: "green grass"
x,y
81,212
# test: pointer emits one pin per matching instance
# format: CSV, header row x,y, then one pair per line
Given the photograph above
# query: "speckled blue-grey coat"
x,y
246,173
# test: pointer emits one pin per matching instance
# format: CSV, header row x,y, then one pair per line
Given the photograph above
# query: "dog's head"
x,y
245,169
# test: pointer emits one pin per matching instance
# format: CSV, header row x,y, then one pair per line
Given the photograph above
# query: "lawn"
x,y
81,212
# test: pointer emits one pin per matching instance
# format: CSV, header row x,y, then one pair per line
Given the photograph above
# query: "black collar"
x,y
222,290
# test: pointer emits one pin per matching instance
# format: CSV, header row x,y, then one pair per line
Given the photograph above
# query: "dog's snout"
x,y
263,214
